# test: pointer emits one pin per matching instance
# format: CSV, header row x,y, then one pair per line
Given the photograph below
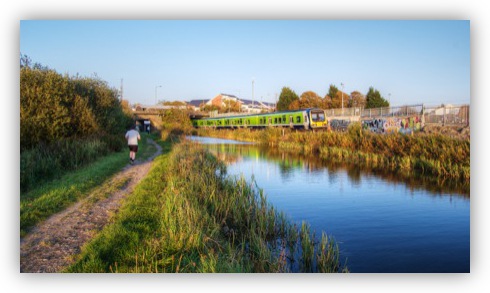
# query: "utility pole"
x,y
275,106
156,93
253,93
121,90
342,85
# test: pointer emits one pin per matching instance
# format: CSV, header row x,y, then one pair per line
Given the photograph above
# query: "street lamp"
x,y
253,93
156,87
342,85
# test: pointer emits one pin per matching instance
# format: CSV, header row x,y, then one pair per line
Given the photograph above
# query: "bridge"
x,y
155,117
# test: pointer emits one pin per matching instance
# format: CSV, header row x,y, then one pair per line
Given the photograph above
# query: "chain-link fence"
x,y
343,112
401,111
458,115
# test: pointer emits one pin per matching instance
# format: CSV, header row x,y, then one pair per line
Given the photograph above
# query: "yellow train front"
x,y
298,119
318,119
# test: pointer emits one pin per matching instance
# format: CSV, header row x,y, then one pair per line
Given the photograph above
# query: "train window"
x,y
318,116
275,120
298,119
240,121
283,118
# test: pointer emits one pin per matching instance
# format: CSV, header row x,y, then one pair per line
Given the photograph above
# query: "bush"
x,y
65,122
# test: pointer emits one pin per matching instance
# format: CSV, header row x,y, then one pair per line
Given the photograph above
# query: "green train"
x,y
303,119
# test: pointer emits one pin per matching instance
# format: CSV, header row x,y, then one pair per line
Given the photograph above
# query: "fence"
x,y
401,111
447,115
345,112
456,115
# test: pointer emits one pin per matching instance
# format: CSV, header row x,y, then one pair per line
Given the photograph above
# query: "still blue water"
x,y
381,224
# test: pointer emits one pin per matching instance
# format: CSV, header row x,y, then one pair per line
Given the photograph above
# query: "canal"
x,y
383,224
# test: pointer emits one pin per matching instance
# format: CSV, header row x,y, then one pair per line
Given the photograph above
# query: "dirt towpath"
x,y
51,245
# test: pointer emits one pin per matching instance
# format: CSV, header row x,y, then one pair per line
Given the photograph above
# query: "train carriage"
x,y
304,119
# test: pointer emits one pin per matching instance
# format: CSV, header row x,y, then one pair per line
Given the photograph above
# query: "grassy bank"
x,y
187,215
52,196
46,162
428,155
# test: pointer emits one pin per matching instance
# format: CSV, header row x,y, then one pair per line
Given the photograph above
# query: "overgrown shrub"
x,y
65,122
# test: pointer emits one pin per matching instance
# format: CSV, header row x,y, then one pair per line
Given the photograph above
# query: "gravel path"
x,y
51,245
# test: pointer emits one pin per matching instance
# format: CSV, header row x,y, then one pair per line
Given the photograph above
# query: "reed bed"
x,y
429,155
188,215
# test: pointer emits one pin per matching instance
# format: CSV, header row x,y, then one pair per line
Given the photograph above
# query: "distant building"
x,y
251,106
196,104
220,100
159,107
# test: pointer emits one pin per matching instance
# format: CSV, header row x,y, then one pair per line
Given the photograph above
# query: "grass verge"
x,y
54,196
188,216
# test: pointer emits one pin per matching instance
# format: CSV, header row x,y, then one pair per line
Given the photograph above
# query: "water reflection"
x,y
383,222
288,163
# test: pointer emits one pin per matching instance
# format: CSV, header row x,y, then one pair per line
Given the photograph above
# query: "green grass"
x,y
187,215
55,195
47,162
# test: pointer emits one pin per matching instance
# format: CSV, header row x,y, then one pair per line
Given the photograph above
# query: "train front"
x,y
318,119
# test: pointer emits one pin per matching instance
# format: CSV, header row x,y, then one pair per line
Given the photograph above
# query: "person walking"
x,y
132,136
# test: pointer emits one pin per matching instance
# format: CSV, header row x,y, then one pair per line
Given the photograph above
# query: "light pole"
x,y
342,85
156,87
253,93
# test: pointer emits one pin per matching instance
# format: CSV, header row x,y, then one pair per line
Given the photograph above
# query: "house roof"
x,y
269,104
228,95
197,103
256,103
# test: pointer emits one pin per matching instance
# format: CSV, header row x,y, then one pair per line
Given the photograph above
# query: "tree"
x,y
310,99
230,106
375,100
55,108
357,99
335,97
294,105
286,98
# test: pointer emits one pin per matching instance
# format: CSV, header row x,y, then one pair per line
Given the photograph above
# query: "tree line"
x,y
54,107
289,100
65,122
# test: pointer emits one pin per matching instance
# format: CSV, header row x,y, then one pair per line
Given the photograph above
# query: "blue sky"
x,y
409,62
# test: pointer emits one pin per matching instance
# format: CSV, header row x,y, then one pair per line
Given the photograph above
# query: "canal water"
x,y
383,224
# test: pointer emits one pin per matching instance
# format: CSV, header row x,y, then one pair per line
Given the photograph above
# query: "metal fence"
x,y
400,111
457,115
343,112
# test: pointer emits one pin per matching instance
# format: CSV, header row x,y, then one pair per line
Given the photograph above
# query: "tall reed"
x,y
430,155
